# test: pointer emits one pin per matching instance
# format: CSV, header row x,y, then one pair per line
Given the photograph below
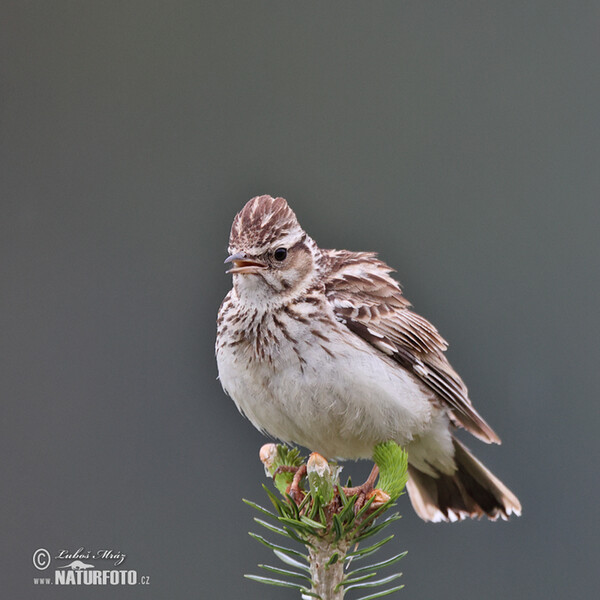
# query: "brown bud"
x,y
317,464
320,478
267,455
381,498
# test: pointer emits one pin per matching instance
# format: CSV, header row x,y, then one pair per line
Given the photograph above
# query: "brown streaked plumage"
x,y
320,348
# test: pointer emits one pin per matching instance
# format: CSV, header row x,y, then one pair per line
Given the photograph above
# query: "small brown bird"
x,y
320,348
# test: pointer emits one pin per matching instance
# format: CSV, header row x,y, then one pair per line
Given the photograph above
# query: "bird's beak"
x,y
243,264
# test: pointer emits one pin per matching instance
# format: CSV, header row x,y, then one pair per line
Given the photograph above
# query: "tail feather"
x,y
472,491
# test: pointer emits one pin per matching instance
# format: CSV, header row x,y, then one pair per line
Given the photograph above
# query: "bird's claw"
x,y
365,491
295,490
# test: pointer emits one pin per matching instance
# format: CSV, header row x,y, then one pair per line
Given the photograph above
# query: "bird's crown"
x,y
262,222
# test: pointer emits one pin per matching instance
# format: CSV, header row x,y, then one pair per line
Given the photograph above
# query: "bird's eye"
x,y
280,254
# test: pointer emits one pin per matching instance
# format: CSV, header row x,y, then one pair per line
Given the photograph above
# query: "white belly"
x,y
340,406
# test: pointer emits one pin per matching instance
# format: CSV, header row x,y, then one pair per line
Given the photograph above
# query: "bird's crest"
x,y
262,222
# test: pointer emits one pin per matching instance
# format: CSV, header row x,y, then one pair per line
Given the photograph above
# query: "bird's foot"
x,y
285,469
294,489
365,491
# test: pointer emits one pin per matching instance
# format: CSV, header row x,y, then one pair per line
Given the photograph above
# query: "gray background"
x,y
460,140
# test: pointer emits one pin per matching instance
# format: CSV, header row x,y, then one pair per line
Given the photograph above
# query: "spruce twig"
x,y
314,511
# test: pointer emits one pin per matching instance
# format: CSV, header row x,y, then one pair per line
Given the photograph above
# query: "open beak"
x,y
244,264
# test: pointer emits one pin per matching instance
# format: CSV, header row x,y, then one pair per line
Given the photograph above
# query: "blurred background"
x,y
460,140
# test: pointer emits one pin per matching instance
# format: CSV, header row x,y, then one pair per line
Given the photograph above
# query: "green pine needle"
x,y
382,594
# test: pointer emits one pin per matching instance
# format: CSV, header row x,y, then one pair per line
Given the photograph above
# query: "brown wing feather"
x,y
371,304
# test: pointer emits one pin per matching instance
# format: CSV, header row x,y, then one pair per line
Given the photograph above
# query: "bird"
x,y
320,348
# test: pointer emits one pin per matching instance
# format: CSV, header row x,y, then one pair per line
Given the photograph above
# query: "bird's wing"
x,y
371,304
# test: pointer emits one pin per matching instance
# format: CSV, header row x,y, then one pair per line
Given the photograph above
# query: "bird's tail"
x,y
472,491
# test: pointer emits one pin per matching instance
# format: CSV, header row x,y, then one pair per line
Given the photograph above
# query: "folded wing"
x,y
371,304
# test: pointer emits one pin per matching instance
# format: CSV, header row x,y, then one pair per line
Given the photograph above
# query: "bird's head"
x,y
272,257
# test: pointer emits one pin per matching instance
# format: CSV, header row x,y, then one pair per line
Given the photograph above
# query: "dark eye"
x,y
280,254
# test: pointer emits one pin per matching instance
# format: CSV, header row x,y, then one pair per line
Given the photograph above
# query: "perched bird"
x,y
320,348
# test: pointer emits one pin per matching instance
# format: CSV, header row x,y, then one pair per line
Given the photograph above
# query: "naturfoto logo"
x,y
81,572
